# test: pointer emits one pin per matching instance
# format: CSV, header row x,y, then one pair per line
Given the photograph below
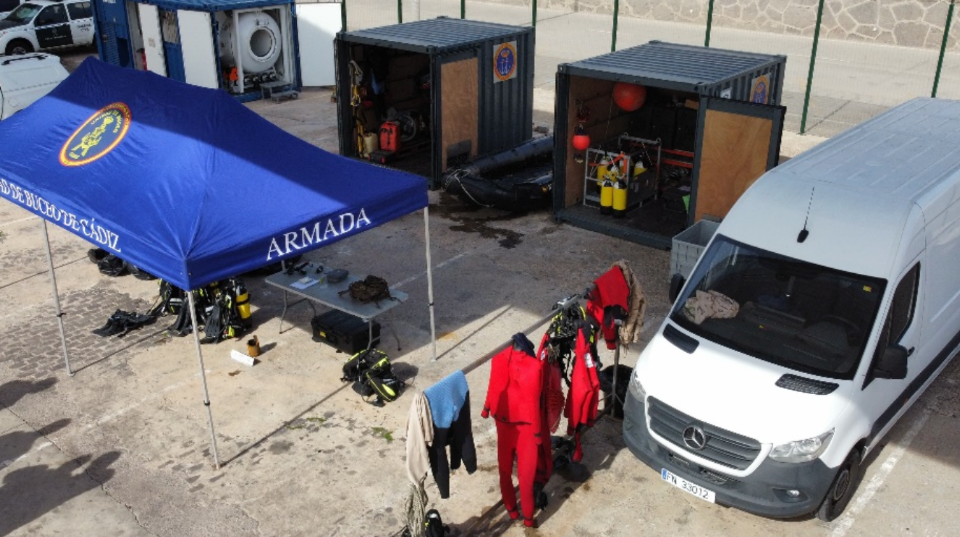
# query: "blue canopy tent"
x,y
153,170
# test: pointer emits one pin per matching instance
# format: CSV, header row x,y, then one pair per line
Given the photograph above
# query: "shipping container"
x,y
427,95
651,139
249,48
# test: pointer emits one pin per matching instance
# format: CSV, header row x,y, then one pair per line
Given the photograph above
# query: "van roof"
x,y
860,188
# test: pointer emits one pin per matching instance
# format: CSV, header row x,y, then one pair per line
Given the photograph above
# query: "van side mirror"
x,y
893,363
676,284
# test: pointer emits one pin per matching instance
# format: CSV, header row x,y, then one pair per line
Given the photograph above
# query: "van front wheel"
x,y
19,46
842,489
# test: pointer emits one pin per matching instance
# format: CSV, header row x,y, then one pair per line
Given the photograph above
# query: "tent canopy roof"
x,y
185,182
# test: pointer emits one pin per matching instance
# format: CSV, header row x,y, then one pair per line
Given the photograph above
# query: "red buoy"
x,y
629,97
581,140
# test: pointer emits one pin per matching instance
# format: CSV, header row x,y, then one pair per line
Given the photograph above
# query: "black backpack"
x,y
433,525
112,265
372,376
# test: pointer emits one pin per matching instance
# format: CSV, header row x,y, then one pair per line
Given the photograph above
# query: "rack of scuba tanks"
x,y
622,176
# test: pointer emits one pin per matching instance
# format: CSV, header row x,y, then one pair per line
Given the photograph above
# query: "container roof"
x,y
684,65
214,5
439,33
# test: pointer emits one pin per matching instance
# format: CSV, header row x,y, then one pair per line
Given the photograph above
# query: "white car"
x,y
44,25
24,79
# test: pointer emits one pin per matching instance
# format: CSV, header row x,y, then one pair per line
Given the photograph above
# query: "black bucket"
x,y
606,385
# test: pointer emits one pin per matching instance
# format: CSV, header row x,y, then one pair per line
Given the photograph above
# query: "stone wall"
x,y
911,23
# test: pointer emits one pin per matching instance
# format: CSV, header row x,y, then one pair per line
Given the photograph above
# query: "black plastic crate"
x,y
343,331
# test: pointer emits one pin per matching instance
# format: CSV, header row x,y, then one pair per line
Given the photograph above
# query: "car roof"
x,y
44,3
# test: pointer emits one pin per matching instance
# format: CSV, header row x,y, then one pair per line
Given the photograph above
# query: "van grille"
x,y
722,447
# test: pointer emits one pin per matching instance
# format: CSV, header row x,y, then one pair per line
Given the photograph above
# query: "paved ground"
x,y
122,448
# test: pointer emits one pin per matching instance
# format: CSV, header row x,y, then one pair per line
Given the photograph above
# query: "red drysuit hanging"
x,y
608,301
584,397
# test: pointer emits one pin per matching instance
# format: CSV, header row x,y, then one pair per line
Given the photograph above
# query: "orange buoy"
x,y
629,97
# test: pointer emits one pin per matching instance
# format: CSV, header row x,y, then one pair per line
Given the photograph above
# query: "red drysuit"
x,y
514,400
584,397
552,394
610,292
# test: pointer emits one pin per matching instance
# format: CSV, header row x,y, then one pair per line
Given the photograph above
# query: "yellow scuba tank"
x,y
243,303
638,168
619,198
602,170
606,196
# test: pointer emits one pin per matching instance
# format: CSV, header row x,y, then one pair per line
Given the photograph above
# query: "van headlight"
x,y
636,389
802,450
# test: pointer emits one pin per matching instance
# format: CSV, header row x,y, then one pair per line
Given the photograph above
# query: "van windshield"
x,y
23,14
782,310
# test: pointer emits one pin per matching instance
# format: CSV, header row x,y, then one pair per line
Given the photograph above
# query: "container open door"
x,y
738,143
317,26
152,39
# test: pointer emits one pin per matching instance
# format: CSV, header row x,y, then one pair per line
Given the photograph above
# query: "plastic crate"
x,y
688,245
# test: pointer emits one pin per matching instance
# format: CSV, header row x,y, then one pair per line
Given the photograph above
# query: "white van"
x,y
824,305
26,78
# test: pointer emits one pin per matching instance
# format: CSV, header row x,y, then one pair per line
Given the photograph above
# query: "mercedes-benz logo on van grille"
x,y
694,438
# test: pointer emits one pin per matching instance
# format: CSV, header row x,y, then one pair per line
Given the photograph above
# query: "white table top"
x,y
328,294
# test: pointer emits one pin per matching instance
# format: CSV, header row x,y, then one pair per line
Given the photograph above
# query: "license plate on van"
x,y
688,487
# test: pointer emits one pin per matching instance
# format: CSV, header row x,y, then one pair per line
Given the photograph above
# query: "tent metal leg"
x,y
56,297
433,328
203,378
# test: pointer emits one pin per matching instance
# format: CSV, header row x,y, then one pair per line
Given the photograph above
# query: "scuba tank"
x,y
638,168
606,195
602,169
619,197
243,303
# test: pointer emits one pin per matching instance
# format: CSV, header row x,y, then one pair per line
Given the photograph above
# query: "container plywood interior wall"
x,y
605,120
458,106
733,156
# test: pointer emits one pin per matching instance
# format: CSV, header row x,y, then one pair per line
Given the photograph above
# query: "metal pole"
x,y
399,11
433,328
813,62
343,15
203,378
534,5
56,297
616,14
943,48
463,9
706,40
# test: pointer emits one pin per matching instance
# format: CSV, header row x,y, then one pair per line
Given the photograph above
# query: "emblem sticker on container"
x,y
504,61
760,89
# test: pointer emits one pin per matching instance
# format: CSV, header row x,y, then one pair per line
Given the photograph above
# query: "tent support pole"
x,y
56,296
433,328
203,378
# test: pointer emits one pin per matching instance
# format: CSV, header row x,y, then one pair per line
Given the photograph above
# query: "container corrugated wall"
x,y
506,110
706,71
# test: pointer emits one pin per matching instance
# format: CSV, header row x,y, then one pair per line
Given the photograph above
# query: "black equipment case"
x,y
344,332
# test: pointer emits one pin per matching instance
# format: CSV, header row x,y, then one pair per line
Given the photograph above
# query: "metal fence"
x,y
846,62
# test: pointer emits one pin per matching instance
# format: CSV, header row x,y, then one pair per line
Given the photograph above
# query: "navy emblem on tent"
x,y
97,136
505,61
